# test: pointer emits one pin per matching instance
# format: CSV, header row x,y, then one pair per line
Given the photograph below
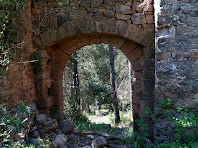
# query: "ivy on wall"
x,y
9,16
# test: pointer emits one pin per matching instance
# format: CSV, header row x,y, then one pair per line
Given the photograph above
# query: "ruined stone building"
x,y
159,38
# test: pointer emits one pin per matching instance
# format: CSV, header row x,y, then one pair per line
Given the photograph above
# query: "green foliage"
x,y
2,71
97,91
36,61
10,122
125,118
98,128
9,13
167,103
183,136
64,2
72,111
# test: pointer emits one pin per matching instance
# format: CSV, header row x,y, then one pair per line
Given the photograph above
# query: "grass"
x,y
98,128
107,117
104,123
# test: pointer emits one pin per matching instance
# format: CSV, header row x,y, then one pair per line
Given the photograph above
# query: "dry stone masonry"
x,y
176,58
161,49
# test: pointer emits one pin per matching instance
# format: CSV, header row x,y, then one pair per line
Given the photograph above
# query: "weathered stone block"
x,y
49,21
138,65
62,18
149,74
138,18
135,55
150,19
128,47
123,17
109,13
138,75
99,142
117,41
123,9
85,3
96,3
137,93
109,1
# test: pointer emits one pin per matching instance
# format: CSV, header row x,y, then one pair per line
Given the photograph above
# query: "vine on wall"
x,y
9,17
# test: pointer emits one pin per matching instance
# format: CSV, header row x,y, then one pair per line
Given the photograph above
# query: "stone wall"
x,y
58,25
18,81
176,25
49,15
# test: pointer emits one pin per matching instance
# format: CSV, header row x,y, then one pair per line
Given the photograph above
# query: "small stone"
x,y
109,14
62,18
85,3
150,19
49,126
34,134
123,17
67,127
72,138
69,145
99,142
41,118
138,18
96,3
59,141
124,9
108,1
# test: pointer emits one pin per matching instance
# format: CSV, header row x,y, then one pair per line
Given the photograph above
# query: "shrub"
x,y
72,111
10,122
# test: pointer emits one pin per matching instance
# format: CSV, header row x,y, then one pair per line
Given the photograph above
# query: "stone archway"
x,y
58,54
57,45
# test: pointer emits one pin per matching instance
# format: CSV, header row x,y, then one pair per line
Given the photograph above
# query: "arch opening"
x,y
57,54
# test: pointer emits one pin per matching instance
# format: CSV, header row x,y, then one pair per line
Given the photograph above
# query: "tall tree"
x,y
113,86
75,89
130,88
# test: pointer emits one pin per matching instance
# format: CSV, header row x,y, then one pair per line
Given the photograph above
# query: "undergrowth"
x,y
10,123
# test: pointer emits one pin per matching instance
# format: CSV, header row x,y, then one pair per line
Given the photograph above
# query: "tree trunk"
x,y
75,90
113,86
130,88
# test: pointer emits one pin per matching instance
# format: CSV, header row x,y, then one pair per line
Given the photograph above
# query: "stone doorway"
x,y
57,54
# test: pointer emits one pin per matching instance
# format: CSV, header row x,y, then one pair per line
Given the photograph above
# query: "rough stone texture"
x,y
99,142
59,141
18,83
60,30
67,127
41,118
176,58
49,126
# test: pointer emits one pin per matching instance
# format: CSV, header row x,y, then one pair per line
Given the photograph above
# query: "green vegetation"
x,y
91,67
9,16
36,61
72,111
10,123
98,128
183,136
166,103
